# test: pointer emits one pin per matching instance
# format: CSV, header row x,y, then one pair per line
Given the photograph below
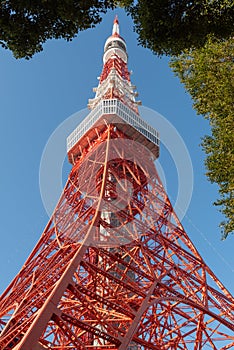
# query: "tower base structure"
x,y
114,268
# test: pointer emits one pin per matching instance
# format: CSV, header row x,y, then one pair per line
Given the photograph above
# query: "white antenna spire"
x,y
115,26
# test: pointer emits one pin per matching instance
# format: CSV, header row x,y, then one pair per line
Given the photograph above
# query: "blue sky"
x,y
39,94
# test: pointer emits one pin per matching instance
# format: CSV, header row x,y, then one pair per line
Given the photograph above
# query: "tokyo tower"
x,y
114,267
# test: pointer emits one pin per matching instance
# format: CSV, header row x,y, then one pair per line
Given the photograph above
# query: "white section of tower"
x,y
125,88
115,44
115,29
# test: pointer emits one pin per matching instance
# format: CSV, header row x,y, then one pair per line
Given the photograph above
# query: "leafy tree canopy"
x,y
164,26
25,25
208,75
171,26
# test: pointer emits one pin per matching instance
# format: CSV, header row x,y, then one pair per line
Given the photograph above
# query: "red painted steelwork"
x,y
117,63
82,289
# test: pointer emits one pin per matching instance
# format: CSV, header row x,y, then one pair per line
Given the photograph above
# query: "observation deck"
x,y
111,111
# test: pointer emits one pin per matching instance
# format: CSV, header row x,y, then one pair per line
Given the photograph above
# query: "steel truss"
x,y
114,268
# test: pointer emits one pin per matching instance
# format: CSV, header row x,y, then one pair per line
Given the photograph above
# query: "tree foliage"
x,y
208,75
25,25
171,26
164,26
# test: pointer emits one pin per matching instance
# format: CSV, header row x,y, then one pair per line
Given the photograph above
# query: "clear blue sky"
x,y
37,95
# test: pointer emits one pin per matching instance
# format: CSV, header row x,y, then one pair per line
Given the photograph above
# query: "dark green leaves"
x,y
208,75
164,26
171,26
25,25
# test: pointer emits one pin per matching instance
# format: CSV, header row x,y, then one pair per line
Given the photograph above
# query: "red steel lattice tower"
x,y
114,268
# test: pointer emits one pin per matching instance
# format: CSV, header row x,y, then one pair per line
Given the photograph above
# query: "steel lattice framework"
x,y
114,268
